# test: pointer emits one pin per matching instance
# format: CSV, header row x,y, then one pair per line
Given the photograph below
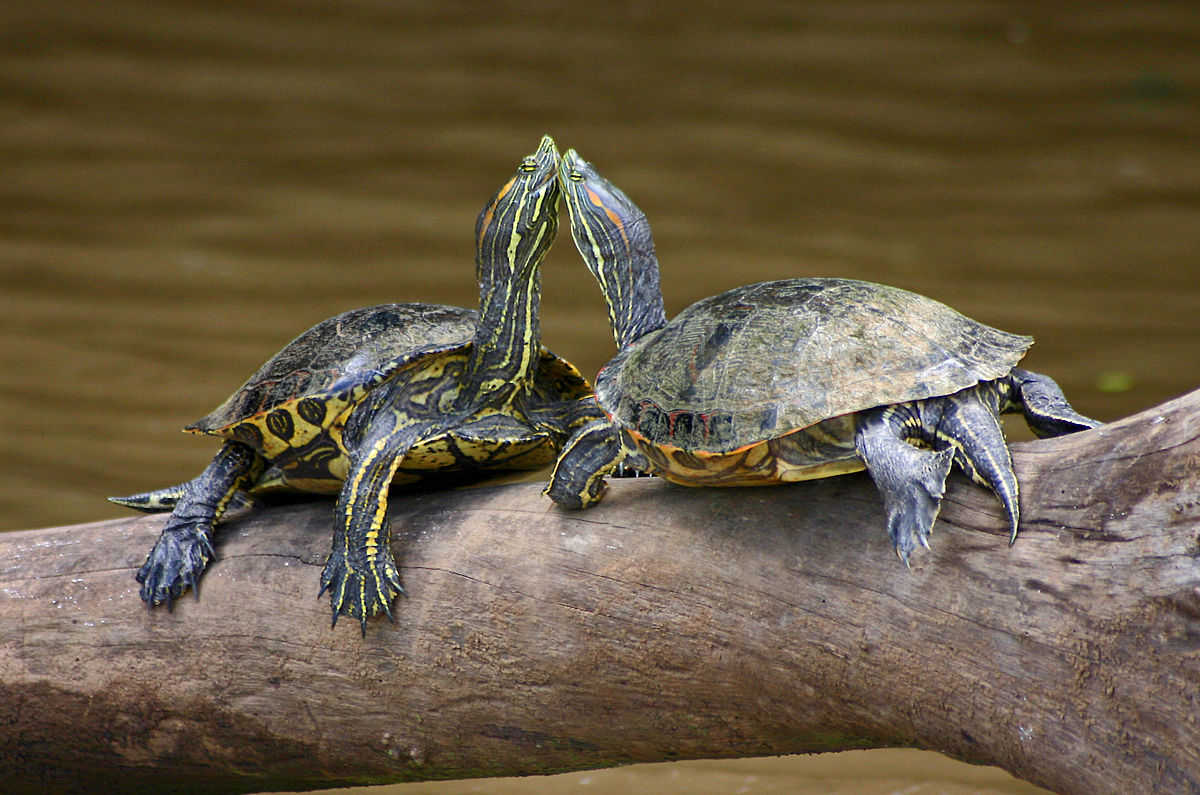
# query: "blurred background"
x,y
185,186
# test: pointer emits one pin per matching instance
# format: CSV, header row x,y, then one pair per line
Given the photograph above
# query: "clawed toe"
x,y
360,595
174,565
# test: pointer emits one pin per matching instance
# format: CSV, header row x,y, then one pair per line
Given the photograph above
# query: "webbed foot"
x,y
910,480
912,509
175,563
361,594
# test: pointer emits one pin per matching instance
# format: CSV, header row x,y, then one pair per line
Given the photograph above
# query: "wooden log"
x,y
667,623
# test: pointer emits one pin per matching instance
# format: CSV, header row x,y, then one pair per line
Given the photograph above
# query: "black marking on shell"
x,y
280,423
687,459
337,356
248,434
311,411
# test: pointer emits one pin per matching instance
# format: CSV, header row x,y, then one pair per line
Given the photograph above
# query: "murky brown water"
x,y
185,186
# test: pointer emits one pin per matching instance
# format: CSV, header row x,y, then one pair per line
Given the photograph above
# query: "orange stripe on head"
x,y
491,209
616,220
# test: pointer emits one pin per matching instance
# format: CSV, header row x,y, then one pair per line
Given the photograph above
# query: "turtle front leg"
x,y
593,451
185,547
968,423
911,480
360,574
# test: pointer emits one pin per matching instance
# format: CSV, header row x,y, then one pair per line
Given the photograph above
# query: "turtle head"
x,y
614,239
513,233
517,225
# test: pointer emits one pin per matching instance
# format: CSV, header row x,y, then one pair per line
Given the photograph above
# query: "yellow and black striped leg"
x,y
592,452
185,547
910,480
1045,406
971,428
360,574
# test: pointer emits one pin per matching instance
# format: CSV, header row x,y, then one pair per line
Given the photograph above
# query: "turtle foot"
x,y
175,563
912,509
361,594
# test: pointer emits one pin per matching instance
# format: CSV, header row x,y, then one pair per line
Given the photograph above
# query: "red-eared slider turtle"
x,y
384,394
794,379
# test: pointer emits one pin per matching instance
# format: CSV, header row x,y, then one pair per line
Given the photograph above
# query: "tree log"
x,y
667,623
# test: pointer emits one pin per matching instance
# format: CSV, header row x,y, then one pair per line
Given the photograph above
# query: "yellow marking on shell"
x,y
303,431
756,466
780,459
752,465
755,456
791,474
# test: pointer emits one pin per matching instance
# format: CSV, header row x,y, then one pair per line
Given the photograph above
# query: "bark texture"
x,y
667,623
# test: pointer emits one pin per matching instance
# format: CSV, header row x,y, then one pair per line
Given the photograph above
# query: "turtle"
x,y
384,395
793,379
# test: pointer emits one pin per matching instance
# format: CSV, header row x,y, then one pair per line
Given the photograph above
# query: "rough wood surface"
x,y
668,623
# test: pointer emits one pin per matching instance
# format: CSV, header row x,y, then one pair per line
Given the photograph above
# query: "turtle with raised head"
x,y
794,379
383,395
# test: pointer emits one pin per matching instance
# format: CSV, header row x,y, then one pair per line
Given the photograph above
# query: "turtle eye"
x,y
528,165
575,176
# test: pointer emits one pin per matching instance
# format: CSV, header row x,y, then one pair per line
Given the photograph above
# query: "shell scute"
x,y
335,360
771,358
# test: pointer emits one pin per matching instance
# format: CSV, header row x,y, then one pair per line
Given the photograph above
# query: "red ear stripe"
x,y
616,219
486,219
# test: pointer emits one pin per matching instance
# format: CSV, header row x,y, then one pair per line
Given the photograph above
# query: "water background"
x,y
186,186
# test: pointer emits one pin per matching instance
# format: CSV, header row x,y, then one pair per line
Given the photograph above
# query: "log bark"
x,y
667,623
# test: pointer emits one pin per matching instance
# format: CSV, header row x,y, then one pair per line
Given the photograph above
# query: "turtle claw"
x,y
358,596
175,564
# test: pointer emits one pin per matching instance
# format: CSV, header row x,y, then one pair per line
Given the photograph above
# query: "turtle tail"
x,y
157,501
165,499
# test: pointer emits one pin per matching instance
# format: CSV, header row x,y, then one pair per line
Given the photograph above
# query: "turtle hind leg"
x,y
910,479
969,425
184,548
1045,406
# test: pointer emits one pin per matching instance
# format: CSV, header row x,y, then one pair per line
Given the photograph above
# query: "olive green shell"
x,y
768,359
337,360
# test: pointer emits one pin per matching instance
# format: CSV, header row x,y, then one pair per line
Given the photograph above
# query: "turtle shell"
x,y
330,366
767,359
